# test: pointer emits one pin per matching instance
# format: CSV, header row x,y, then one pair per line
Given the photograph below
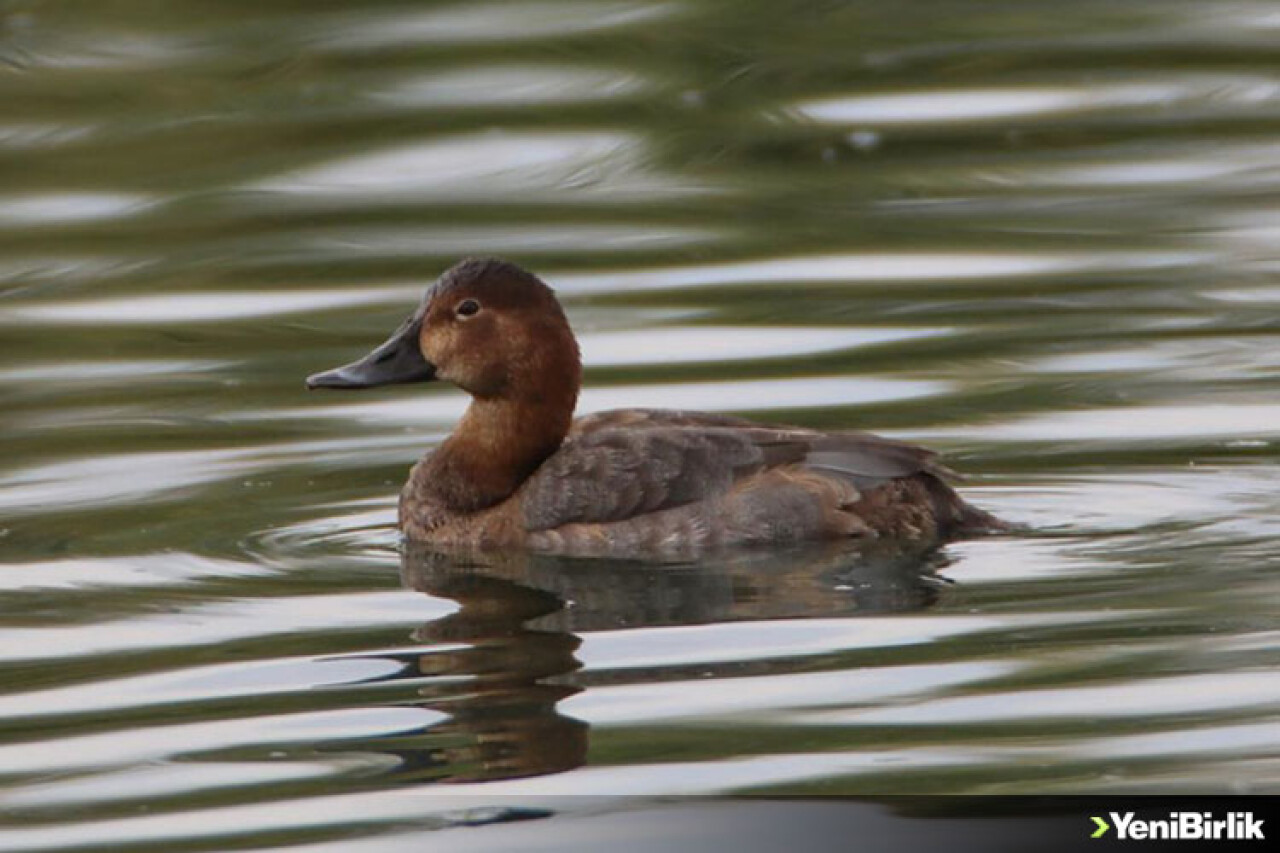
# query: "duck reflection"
x,y
502,662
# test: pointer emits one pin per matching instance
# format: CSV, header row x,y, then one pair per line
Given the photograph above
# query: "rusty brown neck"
x,y
496,446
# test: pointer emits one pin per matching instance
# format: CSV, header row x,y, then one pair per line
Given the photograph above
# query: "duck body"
x,y
520,472
636,481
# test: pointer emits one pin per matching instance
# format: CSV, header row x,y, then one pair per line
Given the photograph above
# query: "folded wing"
x,y
623,464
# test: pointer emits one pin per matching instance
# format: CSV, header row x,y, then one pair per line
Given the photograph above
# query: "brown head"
x,y
489,327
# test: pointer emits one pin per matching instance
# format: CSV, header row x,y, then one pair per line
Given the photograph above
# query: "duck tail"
x,y
958,518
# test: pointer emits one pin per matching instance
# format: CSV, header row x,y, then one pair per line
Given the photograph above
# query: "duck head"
x,y
491,328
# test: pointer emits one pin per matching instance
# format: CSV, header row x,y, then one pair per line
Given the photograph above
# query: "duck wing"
x,y
620,465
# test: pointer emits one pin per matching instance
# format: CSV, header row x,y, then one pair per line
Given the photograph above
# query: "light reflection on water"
x,y
549,167
511,87
940,106
942,230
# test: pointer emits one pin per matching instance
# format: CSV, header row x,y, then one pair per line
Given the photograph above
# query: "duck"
x,y
519,471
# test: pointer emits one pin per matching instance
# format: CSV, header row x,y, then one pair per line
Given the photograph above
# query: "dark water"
x,y
1042,238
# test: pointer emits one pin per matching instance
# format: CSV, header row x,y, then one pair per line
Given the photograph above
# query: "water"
x,y
1040,238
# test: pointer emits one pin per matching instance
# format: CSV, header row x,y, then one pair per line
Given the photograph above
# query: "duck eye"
x,y
467,308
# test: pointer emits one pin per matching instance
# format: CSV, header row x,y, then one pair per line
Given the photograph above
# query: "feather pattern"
x,y
623,464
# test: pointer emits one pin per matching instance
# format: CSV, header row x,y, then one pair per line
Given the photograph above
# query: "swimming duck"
x,y
520,471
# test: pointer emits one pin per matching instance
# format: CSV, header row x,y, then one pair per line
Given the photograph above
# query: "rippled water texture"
x,y
1039,237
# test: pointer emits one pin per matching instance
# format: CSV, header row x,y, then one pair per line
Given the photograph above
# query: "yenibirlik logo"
x,y
1182,826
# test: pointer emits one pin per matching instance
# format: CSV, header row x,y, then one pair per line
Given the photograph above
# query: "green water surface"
x,y
1042,238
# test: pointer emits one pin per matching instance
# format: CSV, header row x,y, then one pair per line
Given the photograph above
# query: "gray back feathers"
x,y
622,464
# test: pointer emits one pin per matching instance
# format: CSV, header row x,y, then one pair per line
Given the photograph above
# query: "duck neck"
x,y
496,446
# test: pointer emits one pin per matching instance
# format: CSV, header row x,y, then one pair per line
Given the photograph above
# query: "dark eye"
x,y
467,308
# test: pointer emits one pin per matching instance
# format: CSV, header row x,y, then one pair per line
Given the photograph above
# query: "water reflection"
x,y
551,166
499,689
58,208
481,23
1198,92
514,86
509,649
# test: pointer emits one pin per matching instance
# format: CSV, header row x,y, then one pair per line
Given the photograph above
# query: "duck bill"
x,y
397,361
